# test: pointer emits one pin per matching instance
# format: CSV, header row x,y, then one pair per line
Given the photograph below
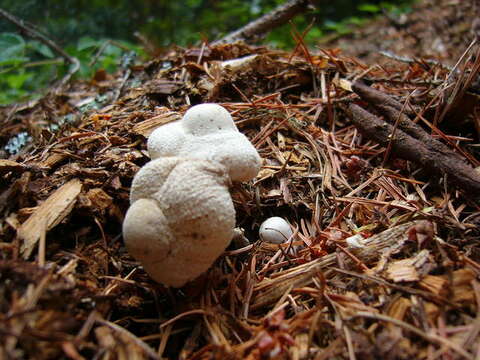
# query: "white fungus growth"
x,y
275,230
181,216
207,132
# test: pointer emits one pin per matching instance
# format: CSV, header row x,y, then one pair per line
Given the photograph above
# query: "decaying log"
x,y
375,97
266,23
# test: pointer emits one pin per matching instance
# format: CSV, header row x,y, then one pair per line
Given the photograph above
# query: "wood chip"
x,y
462,286
48,215
407,269
146,127
8,165
163,87
399,307
99,199
435,284
53,159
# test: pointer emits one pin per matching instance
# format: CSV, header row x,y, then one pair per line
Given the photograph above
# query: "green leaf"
x,y
371,8
112,50
16,81
314,34
41,49
13,61
12,45
87,43
354,20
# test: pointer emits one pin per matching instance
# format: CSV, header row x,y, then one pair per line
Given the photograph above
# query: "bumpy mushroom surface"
x,y
207,132
181,218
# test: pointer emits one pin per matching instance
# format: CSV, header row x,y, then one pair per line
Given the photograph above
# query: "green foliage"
x,y
110,54
13,47
372,8
81,27
12,76
180,22
27,66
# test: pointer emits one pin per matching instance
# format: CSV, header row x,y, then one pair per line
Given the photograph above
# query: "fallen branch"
x,y
395,113
266,23
35,34
375,97
410,148
409,60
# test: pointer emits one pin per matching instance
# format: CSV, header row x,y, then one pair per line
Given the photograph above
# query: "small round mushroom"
x,y
275,230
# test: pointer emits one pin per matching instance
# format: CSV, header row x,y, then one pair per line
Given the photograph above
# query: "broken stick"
x,y
395,112
410,148
266,23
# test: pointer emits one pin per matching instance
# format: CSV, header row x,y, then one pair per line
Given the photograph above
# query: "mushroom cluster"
x,y
181,215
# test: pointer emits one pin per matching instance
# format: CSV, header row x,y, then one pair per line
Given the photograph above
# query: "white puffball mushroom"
x,y
275,230
206,119
232,149
166,140
181,218
207,132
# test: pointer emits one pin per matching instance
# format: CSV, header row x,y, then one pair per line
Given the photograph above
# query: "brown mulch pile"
x,y
376,176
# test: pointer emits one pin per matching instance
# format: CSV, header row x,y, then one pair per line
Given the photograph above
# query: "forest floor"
x,y
372,158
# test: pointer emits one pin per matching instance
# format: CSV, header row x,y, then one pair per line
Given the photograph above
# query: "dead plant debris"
x,y
378,179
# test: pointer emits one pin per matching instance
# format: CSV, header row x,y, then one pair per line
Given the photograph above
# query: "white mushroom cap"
x,y
181,218
207,132
275,230
207,119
